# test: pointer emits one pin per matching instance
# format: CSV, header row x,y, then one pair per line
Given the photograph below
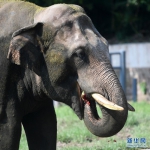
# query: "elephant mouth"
x,y
101,100
91,99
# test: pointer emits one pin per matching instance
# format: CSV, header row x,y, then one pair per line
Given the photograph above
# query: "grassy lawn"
x,y
73,135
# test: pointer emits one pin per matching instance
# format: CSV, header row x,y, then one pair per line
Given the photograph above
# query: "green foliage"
x,y
143,87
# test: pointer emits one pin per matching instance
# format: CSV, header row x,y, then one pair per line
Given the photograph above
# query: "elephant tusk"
x,y
130,108
106,103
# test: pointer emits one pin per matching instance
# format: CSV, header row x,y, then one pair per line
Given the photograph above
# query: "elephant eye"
x,y
69,24
80,54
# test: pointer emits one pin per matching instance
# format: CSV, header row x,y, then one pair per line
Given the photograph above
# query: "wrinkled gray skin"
x,y
52,53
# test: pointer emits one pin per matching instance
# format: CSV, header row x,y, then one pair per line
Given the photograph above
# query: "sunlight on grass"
x,y
23,141
75,135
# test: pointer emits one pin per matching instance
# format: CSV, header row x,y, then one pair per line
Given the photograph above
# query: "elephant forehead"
x,y
57,12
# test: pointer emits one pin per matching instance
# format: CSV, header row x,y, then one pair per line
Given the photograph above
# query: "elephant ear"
x,y
25,44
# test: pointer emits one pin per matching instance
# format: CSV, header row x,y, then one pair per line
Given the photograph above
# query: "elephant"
x,y
54,53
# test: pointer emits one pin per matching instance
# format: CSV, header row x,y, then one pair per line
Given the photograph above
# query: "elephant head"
x,y
70,60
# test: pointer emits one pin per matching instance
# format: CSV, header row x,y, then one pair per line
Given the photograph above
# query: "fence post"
x,y
123,70
134,89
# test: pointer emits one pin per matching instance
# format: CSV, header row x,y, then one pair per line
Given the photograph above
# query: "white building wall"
x,y
137,66
137,54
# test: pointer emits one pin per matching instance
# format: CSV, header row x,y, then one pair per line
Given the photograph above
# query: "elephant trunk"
x,y
113,119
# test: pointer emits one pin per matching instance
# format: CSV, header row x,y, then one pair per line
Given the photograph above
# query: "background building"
x,y
137,66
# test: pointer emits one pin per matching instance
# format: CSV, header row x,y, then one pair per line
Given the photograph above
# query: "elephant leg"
x,y
10,128
41,128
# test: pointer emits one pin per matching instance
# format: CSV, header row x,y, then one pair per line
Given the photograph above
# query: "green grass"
x,y
73,135
23,142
